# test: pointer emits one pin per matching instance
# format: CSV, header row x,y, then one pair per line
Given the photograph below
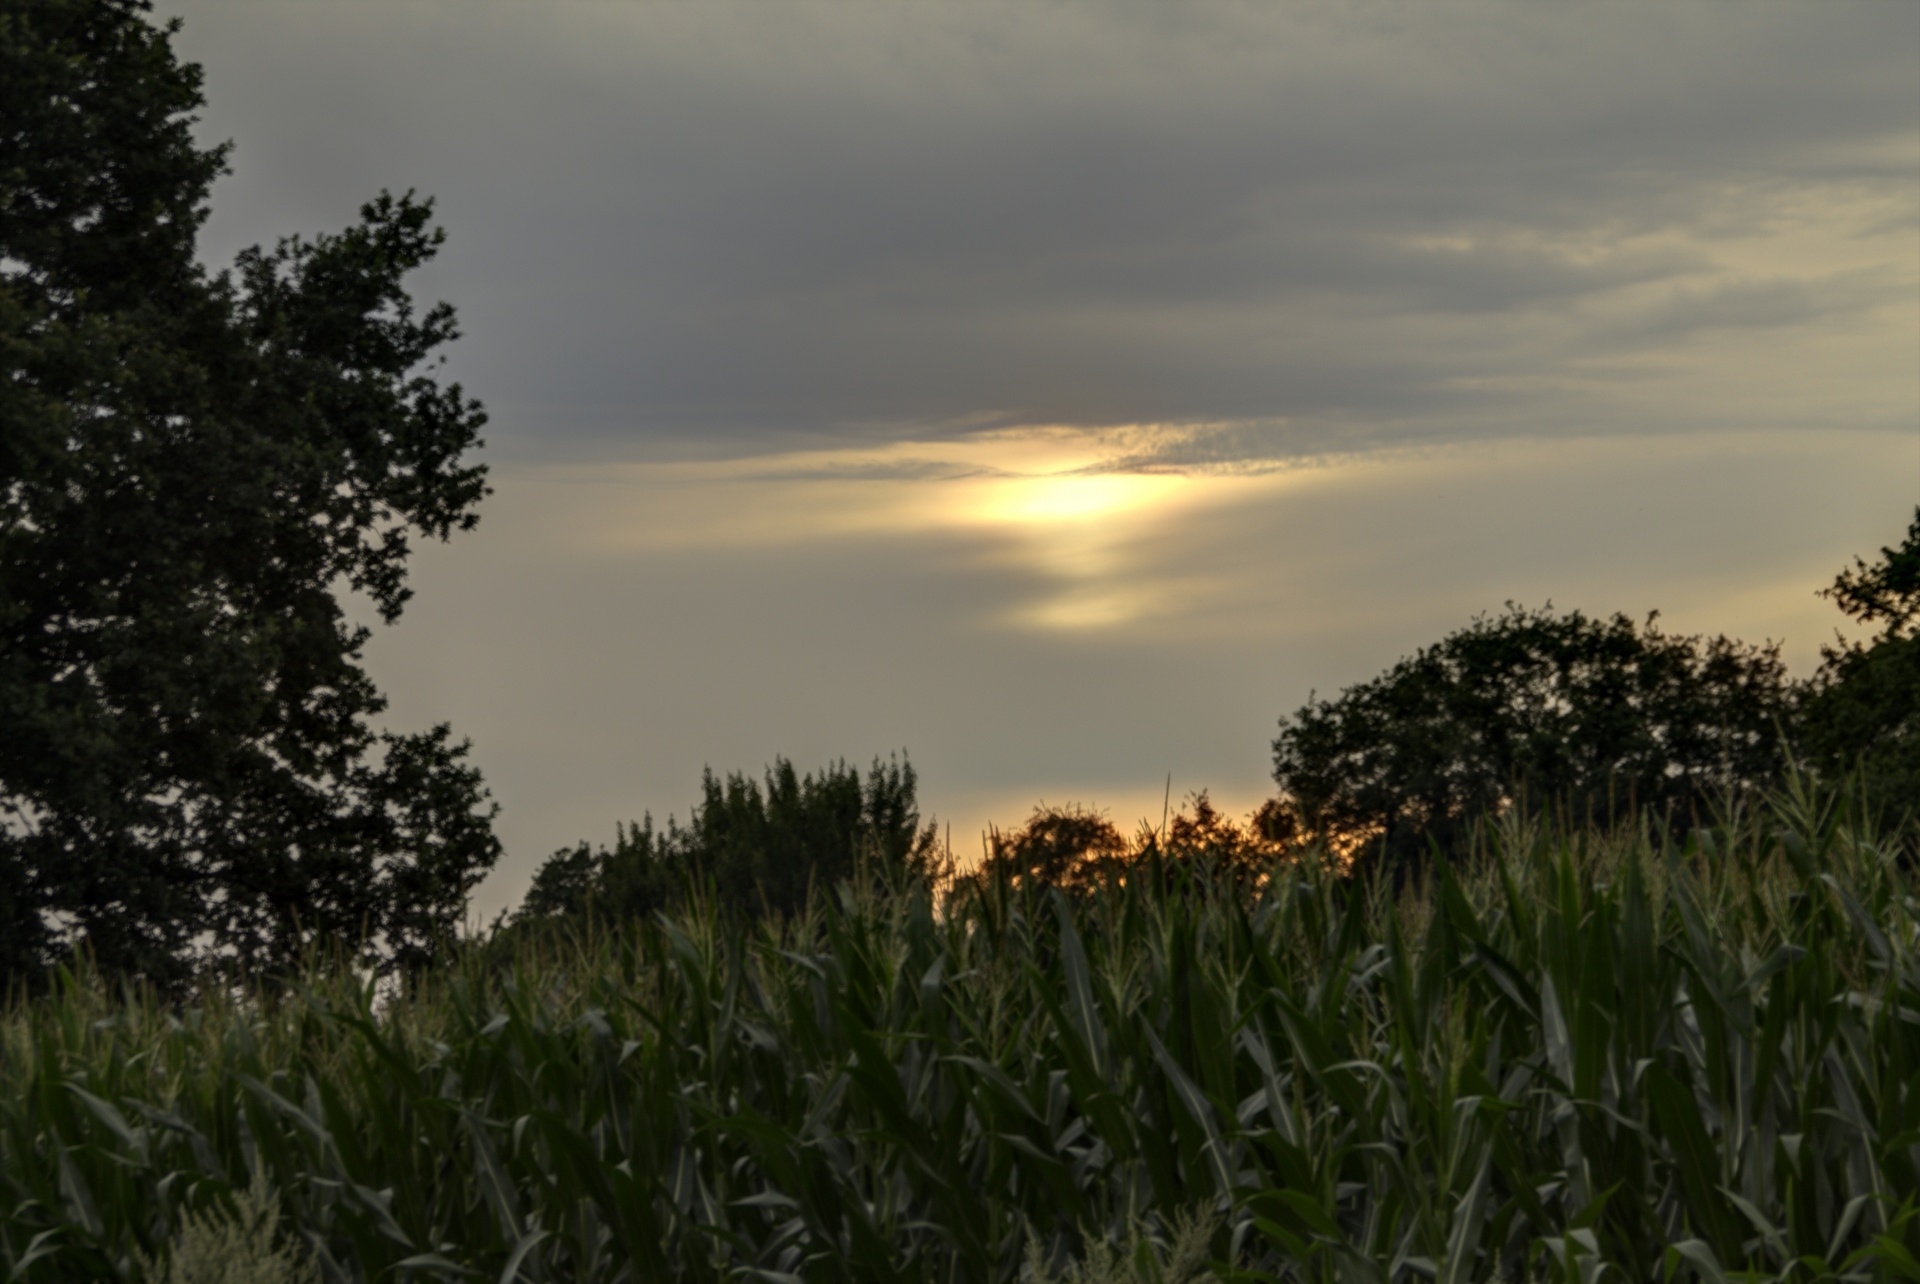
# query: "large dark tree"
x,y
191,465
1599,717
1862,712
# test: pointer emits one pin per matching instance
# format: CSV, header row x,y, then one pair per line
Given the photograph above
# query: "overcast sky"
x,y
1062,391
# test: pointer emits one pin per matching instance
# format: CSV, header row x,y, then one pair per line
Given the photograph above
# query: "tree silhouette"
x,y
1072,848
189,465
1078,850
1862,710
758,850
1532,709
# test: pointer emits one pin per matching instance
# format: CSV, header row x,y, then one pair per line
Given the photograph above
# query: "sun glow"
x,y
1072,498
1059,505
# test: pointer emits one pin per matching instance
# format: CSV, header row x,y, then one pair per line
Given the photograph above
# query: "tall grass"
x,y
1577,1056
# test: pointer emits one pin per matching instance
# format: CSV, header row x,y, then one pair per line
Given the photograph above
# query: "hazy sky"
x,y
1062,391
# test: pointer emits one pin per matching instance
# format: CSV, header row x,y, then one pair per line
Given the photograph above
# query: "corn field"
x,y
1571,1056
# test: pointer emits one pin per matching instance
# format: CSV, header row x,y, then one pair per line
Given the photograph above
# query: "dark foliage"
x,y
1242,855
755,851
1071,848
1079,851
189,465
1604,718
1887,591
1862,710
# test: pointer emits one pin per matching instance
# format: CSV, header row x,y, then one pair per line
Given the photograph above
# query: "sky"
x,y
1061,393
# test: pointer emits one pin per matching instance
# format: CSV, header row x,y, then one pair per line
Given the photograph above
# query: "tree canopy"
x,y
191,464
1079,851
1072,848
1862,709
1602,717
756,851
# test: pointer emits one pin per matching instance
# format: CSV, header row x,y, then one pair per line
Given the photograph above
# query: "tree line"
x,y
1591,720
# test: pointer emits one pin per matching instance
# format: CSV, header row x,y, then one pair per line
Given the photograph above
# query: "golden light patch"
x,y
1075,498
1039,497
1082,530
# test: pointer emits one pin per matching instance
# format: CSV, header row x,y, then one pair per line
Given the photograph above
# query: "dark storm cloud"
x,y
1313,227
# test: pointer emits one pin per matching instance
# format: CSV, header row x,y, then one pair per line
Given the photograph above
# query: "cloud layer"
x,y
731,228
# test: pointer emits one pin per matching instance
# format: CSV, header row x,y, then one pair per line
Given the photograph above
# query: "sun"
x,y
1072,498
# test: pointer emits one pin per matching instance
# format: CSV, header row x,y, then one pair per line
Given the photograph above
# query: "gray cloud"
x,y
722,227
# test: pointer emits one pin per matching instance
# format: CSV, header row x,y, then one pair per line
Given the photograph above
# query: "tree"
x,y
1072,848
1862,709
1243,854
1600,717
190,464
1079,851
760,852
